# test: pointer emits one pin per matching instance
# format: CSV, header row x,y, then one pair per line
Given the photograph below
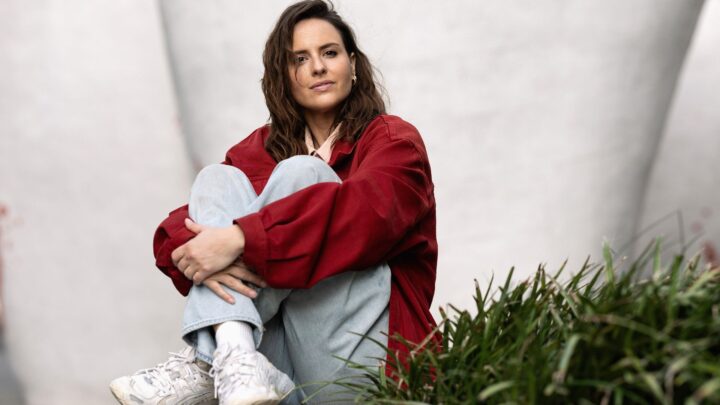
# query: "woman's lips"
x,y
322,86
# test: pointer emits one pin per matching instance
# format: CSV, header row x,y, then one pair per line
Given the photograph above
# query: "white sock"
x,y
235,333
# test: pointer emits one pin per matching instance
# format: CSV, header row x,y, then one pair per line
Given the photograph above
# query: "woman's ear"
x,y
352,62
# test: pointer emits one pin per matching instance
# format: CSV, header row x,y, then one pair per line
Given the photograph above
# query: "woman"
x,y
330,207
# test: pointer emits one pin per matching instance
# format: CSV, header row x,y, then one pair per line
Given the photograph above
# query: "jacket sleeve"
x,y
170,235
329,228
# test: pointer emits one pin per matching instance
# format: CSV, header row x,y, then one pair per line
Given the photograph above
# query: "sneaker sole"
x,y
254,401
258,402
192,401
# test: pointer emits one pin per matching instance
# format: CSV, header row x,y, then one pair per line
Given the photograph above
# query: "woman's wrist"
x,y
238,239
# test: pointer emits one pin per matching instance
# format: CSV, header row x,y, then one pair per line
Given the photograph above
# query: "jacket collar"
x,y
341,150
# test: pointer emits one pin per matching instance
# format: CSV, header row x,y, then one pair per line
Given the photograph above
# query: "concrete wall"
x,y
91,158
685,180
542,120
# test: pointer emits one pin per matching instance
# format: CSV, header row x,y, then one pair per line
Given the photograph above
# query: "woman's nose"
x,y
318,66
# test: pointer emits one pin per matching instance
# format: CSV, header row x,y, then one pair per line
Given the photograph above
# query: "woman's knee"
x,y
220,173
217,170
306,167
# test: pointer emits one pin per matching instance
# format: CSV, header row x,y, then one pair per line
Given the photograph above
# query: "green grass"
x,y
609,334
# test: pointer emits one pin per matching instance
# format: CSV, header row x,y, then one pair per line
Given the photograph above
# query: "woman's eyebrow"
x,y
328,45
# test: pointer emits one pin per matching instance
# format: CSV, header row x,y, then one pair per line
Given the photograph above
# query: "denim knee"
x,y
217,170
306,167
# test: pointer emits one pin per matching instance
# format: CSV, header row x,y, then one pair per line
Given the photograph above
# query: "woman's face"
x,y
321,75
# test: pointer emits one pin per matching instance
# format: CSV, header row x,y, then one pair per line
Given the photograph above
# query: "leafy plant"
x,y
644,334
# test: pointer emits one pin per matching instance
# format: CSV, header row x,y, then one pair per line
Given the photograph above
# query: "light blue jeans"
x,y
300,331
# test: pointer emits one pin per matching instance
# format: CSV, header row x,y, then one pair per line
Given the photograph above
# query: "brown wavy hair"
x,y
287,124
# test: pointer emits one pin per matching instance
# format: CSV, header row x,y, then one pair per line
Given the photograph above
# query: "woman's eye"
x,y
300,59
331,53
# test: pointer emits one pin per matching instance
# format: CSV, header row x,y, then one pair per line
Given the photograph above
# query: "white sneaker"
x,y
180,380
244,378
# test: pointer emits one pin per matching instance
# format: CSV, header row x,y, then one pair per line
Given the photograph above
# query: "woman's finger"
x,y
237,285
189,272
200,276
193,226
217,288
245,274
177,254
182,263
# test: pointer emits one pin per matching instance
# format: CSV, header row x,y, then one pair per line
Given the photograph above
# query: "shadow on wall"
x,y
10,392
3,213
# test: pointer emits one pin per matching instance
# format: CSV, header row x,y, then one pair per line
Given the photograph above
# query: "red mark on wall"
x,y
697,227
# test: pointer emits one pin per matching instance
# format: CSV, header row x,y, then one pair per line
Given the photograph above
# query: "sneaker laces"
x,y
229,373
168,374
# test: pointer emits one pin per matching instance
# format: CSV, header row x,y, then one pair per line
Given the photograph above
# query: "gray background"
x,y
552,126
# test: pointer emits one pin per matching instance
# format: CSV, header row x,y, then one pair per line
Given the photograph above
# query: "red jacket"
x,y
384,210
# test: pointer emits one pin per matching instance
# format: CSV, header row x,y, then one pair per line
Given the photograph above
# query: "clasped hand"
x,y
212,258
